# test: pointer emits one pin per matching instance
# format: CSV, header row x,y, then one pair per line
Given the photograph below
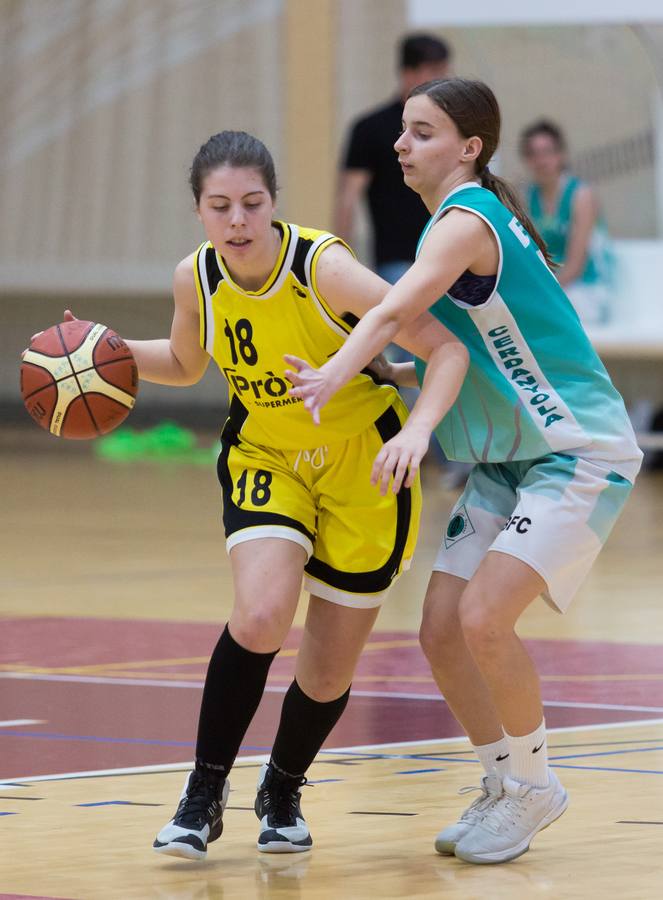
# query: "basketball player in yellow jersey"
x,y
297,498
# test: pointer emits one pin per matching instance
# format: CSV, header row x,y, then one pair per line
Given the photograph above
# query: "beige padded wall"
x,y
104,104
596,82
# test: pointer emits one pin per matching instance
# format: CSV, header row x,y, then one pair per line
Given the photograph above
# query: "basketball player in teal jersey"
x,y
555,455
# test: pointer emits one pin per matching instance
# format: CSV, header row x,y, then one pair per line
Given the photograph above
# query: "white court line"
x,y
262,758
275,689
9,723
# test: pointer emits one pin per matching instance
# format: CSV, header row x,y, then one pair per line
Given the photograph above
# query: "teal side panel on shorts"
x,y
489,487
609,505
551,476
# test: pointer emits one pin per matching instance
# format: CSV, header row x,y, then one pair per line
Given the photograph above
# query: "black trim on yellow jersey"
x,y
388,425
234,517
237,414
214,273
298,267
201,294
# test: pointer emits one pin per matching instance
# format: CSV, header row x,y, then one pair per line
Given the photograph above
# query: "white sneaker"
x,y
491,790
512,821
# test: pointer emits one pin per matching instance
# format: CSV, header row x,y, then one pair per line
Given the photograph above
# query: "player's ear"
x,y
472,148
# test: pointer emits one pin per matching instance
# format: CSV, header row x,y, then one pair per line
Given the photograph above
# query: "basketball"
x,y
78,379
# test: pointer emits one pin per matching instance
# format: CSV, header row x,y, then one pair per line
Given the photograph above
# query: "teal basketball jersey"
x,y
555,229
535,384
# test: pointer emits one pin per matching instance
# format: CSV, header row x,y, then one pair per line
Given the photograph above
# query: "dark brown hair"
x,y
232,148
474,110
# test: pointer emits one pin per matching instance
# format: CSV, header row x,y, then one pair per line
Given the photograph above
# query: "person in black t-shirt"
x,y
370,165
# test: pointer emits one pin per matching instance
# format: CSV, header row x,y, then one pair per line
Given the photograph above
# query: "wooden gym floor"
x,y
113,590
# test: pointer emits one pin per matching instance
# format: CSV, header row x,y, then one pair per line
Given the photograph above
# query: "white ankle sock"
x,y
494,757
528,757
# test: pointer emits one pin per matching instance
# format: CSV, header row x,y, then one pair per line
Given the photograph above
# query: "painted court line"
x,y
10,723
275,689
264,757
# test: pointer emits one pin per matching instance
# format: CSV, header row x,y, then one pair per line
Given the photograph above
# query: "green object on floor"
x,y
165,442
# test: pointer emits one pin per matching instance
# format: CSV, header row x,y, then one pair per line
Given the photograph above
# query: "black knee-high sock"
x,y
234,684
304,726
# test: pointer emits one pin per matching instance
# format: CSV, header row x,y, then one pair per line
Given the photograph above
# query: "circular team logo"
x,y
459,527
455,526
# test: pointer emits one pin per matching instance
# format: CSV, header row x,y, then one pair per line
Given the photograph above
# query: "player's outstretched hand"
x,y
400,458
309,384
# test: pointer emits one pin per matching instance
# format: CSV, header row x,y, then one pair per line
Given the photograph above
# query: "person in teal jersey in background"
x,y
554,452
566,214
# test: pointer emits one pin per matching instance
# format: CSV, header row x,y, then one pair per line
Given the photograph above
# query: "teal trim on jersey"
x,y
609,505
535,385
555,229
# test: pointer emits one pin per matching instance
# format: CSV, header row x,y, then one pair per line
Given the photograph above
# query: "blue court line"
x,y
117,803
608,769
8,814
323,780
608,753
418,771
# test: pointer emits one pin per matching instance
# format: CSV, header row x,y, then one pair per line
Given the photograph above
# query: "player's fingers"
x,y
378,463
400,471
412,472
387,469
294,361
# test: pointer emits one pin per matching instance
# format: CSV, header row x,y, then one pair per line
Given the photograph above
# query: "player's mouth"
x,y
405,166
239,243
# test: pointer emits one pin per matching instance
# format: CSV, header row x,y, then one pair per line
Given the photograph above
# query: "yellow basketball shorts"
x,y
356,540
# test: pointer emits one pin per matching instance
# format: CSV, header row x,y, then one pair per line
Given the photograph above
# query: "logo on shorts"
x,y
459,527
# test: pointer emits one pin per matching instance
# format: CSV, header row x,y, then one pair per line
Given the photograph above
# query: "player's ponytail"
x,y
475,111
507,195
232,148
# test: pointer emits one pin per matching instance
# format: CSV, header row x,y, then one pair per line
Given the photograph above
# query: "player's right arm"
x,y
178,360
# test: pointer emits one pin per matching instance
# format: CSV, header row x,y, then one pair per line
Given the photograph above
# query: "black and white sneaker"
x,y
198,820
282,827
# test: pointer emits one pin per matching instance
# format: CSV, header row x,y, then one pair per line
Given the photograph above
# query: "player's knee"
x,y
323,686
257,631
481,626
439,633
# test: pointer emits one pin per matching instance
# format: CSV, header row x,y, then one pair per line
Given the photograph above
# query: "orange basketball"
x,y
78,379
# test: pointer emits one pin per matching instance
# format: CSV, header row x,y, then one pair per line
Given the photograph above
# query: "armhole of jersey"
x,y
204,298
500,252
336,323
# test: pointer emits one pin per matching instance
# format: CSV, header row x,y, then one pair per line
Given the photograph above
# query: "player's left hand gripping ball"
x,y
78,379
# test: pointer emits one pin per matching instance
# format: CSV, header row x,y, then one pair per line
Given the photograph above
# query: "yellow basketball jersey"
x,y
247,333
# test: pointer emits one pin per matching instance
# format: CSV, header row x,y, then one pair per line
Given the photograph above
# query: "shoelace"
x,y
194,806
280,798
505,811
479,804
